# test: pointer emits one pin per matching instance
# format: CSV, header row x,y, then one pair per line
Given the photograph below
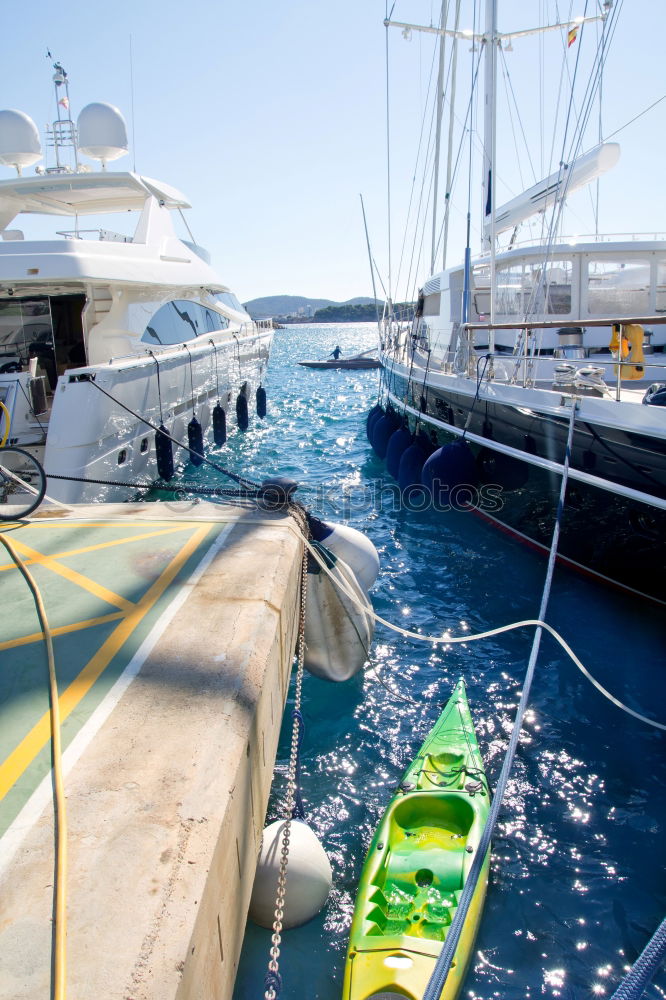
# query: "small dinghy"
x,y
358,361
417,865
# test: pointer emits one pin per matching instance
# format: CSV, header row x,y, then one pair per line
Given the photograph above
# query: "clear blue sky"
x,y
270,117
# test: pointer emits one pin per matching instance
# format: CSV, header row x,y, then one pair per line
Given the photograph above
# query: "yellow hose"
x,y
60,952
7,422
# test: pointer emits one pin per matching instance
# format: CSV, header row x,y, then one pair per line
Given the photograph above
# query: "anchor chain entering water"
x,y
273,980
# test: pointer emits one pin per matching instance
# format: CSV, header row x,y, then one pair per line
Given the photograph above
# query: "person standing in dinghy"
x,y
335,354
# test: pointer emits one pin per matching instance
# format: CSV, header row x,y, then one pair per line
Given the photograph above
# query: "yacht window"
x,y
26,331
22,322
431,305
480,293
182,320
660,304
618,288
510,291
215,321
455,297
548,289
229,299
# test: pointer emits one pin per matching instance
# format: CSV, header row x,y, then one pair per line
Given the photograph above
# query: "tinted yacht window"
x,y
182,320
230,300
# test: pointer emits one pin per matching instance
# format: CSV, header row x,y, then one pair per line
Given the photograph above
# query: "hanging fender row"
x,y
241,480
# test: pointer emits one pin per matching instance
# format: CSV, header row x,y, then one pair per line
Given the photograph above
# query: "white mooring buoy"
x,y
338,629
355,549
309,876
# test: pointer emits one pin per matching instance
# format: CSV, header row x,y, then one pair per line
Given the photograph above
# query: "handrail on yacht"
x,y
592,361
553,324
573,242
103,235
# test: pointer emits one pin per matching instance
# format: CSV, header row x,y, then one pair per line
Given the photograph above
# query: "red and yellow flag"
x,y
572,35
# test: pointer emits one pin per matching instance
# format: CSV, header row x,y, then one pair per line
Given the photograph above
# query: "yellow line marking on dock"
x,y
49,562
102,545
118,522
25,640
26,751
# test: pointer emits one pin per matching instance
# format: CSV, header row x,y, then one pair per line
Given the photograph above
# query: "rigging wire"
x,y
388,147
511,96
465,131
444,959
414,176
635,118
571,147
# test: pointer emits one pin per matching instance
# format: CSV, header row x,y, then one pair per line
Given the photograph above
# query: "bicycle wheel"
x,y
22,483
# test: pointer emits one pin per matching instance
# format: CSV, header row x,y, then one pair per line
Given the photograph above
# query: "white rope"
x,y
446,638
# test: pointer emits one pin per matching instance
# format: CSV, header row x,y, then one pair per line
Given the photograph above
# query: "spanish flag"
x,y
572,35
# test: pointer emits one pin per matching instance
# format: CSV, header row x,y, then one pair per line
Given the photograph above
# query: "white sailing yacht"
x,y
106,335
501,347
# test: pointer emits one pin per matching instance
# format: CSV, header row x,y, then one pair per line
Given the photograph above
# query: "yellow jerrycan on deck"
x,y
627,344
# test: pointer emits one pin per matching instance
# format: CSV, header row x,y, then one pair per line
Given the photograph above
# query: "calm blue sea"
x,y
577,884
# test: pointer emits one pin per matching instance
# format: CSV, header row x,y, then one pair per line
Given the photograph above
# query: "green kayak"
x,y
417,865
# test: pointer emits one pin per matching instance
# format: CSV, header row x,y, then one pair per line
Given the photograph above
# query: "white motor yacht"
x,y
106,336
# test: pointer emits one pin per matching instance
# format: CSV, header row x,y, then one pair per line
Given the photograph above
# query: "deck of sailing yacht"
x,y
104,335
502,347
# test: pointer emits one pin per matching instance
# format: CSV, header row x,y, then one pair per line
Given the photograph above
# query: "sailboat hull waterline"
x,y
613,527
417,866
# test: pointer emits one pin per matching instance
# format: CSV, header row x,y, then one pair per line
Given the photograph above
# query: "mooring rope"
x,y
443,964
489,633
648,962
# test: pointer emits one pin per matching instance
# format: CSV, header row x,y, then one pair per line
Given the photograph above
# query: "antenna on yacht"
x,y
131,61
63,131
100,131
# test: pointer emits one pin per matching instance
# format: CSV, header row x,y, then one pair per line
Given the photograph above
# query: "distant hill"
x,y
284,307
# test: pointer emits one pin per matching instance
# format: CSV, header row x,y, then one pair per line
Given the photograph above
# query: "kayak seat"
x,y
428,837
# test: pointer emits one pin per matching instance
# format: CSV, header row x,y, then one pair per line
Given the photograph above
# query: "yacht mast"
x,y
489,144
449,155
438,134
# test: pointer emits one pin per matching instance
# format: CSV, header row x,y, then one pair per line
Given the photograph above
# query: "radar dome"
x,y
19,140
102,132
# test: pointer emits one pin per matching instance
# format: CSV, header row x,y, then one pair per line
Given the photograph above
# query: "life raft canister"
x,y
627,345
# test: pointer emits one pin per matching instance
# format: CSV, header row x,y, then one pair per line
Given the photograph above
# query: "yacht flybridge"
x,y
501,348
105,335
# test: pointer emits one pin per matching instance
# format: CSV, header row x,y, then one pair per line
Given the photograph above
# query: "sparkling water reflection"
x,y
577,882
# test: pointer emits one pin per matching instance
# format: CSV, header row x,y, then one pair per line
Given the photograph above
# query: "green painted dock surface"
x,y
104,584
173,632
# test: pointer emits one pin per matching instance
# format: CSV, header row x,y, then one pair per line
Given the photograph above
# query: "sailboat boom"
x,y
471,36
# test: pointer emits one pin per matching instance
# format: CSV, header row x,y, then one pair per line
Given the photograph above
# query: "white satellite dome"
x,y
19,140
102,132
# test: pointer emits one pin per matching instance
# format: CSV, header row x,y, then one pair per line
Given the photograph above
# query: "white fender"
x,y
338,632
309,876
357,551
